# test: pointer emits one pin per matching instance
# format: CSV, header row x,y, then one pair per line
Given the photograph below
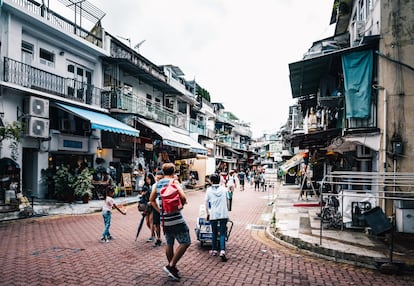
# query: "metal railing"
x,y
394,186
132,103
57,20
30,77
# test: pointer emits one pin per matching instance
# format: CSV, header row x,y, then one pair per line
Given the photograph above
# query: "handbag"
x,y
142,207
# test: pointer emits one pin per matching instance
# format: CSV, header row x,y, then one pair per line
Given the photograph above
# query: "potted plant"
x,y
82,185
63,180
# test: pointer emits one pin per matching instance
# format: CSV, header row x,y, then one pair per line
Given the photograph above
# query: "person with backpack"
x,y
168,191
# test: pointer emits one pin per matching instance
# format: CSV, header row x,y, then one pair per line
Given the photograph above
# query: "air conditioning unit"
x,y
37,107
37,127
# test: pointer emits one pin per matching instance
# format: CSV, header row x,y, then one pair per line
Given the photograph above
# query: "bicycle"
x,y
330,215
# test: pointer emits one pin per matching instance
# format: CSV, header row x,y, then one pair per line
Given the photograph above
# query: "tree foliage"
x,y
201,92
12,131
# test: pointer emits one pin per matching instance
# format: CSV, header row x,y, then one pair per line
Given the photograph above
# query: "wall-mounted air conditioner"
x,y
35,106
37,127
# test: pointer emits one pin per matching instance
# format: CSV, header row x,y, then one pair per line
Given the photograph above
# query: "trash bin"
x,y
358,208
377,220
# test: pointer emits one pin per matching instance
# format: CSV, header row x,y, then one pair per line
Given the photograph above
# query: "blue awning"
x,y
101,121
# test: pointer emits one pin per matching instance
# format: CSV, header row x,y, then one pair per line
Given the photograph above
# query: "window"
x,y
47,58
149,102
27,53
79,83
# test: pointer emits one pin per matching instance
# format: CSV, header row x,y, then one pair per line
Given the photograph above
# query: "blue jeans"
x,y
218,227
107,222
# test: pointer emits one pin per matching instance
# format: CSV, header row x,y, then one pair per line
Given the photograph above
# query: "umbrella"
x,y
140,225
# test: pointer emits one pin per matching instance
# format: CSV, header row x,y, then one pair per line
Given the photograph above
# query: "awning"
x,y
169,137
305,75
292,162
173,138
195,147
348,143
313,140
101,121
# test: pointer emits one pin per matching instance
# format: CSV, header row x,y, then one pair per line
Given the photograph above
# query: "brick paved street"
x,y
66,250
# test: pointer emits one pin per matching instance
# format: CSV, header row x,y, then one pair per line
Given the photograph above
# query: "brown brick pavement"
x,y
66,250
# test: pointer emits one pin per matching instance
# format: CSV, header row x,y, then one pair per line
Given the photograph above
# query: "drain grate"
x,y
255,227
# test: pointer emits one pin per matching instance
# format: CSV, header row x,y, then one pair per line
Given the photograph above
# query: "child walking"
x,y
107,207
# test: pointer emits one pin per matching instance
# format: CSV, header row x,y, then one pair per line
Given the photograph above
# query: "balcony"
x,y
131,103
197,127
30,77
35,9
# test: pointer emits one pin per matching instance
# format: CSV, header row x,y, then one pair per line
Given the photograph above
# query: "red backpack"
x,y
170,199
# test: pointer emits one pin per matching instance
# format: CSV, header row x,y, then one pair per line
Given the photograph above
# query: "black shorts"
x,y
156,219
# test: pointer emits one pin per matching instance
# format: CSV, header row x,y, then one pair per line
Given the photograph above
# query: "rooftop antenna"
x,y
136,47
126,39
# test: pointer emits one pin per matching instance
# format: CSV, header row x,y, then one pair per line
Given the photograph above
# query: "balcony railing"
x,y
57,20
30,77
197,127
132,103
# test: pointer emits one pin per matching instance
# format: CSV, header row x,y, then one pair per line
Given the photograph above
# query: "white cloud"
x,y
238,50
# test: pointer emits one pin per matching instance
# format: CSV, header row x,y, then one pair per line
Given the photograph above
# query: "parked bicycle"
x,y
330,215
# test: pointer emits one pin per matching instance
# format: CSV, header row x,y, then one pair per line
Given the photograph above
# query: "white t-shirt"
x,y
231,180
108,204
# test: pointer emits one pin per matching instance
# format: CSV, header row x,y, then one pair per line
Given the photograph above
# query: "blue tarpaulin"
x,y
357,68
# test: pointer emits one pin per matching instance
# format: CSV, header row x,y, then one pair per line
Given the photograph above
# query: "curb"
x,y
334,255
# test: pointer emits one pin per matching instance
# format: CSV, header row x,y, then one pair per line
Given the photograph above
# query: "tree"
x,y
12,131
201,92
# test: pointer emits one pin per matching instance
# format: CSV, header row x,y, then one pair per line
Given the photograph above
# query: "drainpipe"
x,y
385,131
384,138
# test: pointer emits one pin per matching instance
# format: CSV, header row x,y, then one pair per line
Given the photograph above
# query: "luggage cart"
x,y
204,233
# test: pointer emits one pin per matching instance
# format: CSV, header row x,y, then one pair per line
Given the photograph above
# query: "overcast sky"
x,y
238,50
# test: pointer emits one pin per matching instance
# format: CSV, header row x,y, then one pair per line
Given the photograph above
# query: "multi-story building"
x,y
352,91
85,98
233,139
158,101
51,83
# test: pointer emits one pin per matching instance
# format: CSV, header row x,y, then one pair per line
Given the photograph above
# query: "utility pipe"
x,y
385,131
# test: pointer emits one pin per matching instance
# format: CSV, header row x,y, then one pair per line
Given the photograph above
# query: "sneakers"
x,y
223,256
157,243
213,252
110,237
150,239
104,239
172,272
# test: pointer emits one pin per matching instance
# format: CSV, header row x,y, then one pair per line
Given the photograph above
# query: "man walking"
x,y
174,225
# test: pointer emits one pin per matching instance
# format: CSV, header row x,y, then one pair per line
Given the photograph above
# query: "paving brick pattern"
x,y
66,250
